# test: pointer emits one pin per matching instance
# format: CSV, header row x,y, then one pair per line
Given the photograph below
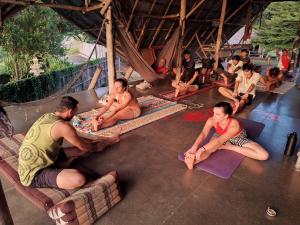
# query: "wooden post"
x,y
200,46
128,73
5,217
110,50
95,77
219,39
105,6
182,16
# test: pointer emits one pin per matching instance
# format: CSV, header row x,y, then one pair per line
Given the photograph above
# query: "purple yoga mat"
x,y
224,162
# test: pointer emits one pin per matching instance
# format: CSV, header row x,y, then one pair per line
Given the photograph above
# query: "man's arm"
x,y
196,74
66,131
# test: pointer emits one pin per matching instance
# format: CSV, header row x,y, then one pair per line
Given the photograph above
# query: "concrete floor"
x,y
158,189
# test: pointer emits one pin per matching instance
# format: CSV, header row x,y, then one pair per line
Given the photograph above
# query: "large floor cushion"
x,y
86,205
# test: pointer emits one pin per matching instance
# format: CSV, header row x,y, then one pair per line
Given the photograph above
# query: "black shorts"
x,y
47,177
249,100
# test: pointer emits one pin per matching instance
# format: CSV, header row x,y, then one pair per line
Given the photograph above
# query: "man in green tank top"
x,y
41,150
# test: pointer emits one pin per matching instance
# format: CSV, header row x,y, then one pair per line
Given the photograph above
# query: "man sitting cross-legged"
x,y
244,88
41,152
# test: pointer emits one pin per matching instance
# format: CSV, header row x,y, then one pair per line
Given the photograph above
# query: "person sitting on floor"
x,y
161,68
121,105
43,161
229,135
233,67
204,72
244,88
284,60
273,78
188,76
244,56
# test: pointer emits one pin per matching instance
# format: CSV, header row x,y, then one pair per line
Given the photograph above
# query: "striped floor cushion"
x,y
86,205
88,202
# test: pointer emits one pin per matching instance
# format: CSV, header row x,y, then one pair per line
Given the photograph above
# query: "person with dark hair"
x,y
204,71
245,56
188,75
233,67
228,135
284,60
273,78
121,105
244,88
42,160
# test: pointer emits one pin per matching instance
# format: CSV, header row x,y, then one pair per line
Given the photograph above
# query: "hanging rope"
x,y
67,87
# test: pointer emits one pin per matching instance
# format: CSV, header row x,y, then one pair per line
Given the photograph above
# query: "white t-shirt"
x,y
245,83
232,67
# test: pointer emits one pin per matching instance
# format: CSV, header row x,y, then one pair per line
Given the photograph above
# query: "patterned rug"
x,y
170,94
152,109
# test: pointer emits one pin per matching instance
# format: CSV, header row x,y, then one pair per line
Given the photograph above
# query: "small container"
x,y
290,144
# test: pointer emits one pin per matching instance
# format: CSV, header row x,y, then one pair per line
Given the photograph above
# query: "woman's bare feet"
x,y
96,124
235,106
189,160
176,92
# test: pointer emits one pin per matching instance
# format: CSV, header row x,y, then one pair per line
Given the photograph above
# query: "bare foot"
x,y
176,92
189,160
96,124
236,105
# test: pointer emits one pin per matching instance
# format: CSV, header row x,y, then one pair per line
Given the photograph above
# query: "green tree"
x,y
34,31
278,26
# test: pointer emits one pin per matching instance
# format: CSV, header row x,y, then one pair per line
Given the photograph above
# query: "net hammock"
x,y
66,88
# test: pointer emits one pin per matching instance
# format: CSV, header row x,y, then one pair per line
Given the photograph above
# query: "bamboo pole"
x,y
61,6
220,30
128,73
194,9
248,21
5,217
169,32
145,26
110,50
228,18
95,77
160,24
131,15
105,6
200,45
182,16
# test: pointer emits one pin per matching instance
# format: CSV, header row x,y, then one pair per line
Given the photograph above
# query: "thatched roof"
x,y
149,27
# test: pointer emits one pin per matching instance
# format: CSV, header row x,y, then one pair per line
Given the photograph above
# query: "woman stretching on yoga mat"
x,y
229,135
121,106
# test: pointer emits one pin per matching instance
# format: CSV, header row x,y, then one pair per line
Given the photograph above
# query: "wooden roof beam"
x,y
195,8
131,15
161,23
145,26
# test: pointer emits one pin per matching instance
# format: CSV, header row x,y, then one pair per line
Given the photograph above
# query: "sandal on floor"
x,y
189,161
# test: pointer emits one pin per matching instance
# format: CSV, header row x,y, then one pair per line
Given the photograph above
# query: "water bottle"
x,y
290,144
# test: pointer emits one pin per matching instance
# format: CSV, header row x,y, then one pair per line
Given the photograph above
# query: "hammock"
x,y
67,87
136,60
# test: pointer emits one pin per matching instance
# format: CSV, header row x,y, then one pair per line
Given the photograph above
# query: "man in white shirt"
x,y
244,88
233,67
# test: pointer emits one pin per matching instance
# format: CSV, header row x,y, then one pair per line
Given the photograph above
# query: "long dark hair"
x,y
123,82
227,108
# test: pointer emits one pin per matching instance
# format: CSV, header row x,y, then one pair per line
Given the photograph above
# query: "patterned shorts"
x,y
239,140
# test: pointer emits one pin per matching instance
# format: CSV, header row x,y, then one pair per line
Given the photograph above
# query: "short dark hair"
x,y
248,66
67,102
227,108
207,63
274,72
236,57
185,52
257,69
123,82
284,50
245,50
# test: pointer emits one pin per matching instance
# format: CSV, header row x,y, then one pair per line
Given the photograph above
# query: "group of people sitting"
x,y
44,163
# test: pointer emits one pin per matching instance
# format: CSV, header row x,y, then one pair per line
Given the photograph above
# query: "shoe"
x,y
144,85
